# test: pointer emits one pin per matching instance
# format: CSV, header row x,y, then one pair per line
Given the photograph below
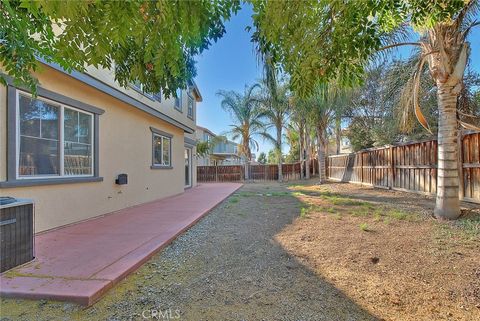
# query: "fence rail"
x,y
409,167
235,173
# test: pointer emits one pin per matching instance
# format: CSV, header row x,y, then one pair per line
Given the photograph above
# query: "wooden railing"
x,y
409,167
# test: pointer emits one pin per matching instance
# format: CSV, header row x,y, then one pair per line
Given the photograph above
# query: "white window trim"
x,y
60,139
180,102
191,116
163,137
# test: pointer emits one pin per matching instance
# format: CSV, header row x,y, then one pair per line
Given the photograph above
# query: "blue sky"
x,y
231,63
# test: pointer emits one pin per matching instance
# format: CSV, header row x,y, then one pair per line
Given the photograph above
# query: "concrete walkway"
x,y
79,263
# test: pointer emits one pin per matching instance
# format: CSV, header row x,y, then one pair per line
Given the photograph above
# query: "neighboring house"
x,y
345,145
223,152
66,148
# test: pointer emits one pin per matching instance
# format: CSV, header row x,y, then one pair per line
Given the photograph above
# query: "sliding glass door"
x,y
188,167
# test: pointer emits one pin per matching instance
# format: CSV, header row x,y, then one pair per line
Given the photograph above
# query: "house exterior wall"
x,y
166,105
125,146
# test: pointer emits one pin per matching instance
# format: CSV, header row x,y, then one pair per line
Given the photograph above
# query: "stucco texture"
x,y
125,146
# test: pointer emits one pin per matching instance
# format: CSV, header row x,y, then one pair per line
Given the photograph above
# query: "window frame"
x,y
179,99
12,179
61,138
191,116
163,135
139,89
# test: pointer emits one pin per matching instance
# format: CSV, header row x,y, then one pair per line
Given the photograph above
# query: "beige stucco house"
x,y
67,148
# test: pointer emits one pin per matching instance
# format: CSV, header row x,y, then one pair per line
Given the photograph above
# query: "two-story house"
x,y
67,147
224,152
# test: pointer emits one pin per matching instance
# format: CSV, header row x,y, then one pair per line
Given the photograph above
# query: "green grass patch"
x,y
276,194
336,200
304,212
364,227
398,215
466,228
337,216
470,226
233,200
268,194
331,210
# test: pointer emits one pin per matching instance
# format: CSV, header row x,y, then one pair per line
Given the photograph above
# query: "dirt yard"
x,y
300,252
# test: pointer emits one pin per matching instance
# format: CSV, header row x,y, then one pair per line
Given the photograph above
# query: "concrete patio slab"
x,y
80,262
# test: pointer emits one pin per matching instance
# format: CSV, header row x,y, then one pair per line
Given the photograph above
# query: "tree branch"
x,y
401,44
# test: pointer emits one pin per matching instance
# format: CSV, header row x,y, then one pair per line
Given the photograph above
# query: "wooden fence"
x,y
235,173
409,167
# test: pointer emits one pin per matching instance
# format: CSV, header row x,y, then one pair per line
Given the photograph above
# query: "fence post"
x,y
361,167
391,179
461,190
216,173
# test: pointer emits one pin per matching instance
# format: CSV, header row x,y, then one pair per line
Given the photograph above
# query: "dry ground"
x,y
300,252
385,251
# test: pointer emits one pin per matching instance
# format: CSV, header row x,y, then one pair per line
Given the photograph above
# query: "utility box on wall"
x,y
16,232
122,179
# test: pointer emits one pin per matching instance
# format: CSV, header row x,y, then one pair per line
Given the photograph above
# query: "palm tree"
x,y
320,41
298,121
445,50
276,107
322,108
247,118
292,137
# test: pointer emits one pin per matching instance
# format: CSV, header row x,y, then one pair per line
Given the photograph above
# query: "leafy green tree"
x,y
381,110
293,140
247,116
152,42
262,158
205,148
272,156
325,41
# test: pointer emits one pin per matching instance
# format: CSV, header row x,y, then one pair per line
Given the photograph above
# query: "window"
x,y
53,139
140,88
206,137
190,107
178,99
161,150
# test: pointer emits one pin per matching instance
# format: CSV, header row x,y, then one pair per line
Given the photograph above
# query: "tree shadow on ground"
x,y
227,267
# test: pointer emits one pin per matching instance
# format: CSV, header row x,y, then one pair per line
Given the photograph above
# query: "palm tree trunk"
x,y
321,155
279,153
312,152
307,156
448,68
447,204
301,147
338,133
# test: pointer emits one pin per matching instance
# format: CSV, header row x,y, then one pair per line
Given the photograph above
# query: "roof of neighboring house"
x,y
196,91
206,130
